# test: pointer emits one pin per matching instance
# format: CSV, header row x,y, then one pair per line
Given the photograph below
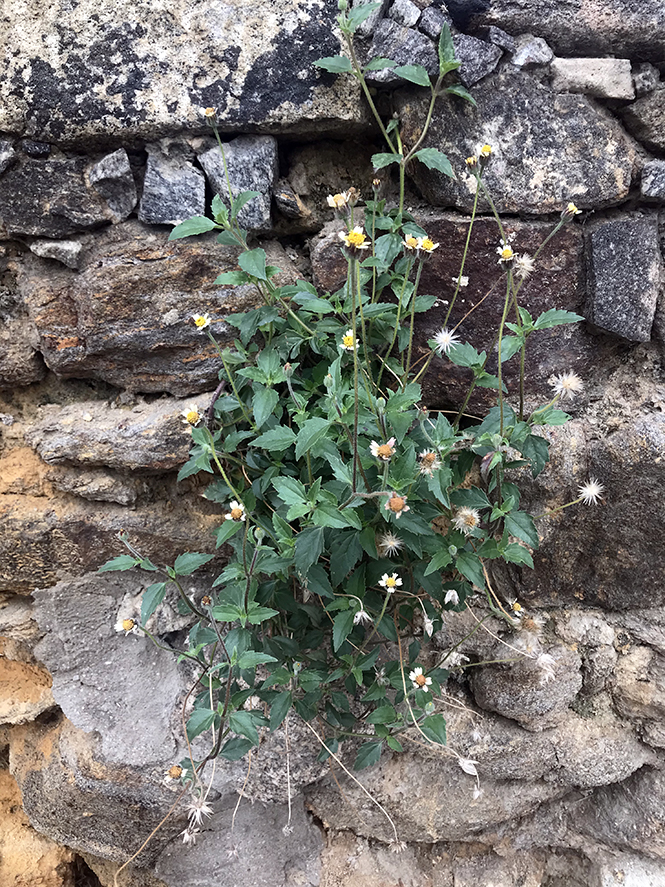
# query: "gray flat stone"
x,y
607,78
531,51
405,47
624,265
645,120
112,178
68,252
252,165
404,12
432,21
478,58
173,190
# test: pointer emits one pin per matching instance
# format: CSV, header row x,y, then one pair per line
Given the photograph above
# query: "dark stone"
x,y
624,271
548,149
173,190
48,198
112,178
405,47
36,150
432,21
478,58
288,203
20,361
501,38
652,186
645,119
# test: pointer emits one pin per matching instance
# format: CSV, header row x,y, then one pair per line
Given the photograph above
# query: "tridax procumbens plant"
x,y
349,513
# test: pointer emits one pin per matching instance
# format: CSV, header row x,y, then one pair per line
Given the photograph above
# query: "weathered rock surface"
x,y
608,78
478,58
26,692
404,12
633,28
154,73
98,484
652,186
66,251
7,155
645,120
639,690
548,149
624,276
645,78
112,178
173,189
252,165
126,316
404,46
531,51
432,21
20,361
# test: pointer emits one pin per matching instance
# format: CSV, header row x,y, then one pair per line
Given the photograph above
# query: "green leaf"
x,y
336,64
510,345
378,64
278,438
517,554
381,160
241,200
471,568
253,261
231,278
434,159
327,515
446,47
536,449
356,16
251,658
152,598
387,248
554,317
462,93
342,627
201,719
394,744
263,403
311,432
471,498
226,530
369,754
195,225
414,74
235,748
465,355
242,722
440,561
345,552
290,490
521,525
309,545
434,727
187,563
122,562
257,614
279,709
384,714
219,210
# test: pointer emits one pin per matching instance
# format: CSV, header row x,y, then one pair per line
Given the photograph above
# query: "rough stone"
x,y
625,267
608,78
98,485
144,74
501,38
652,186
18,630
523,693
173,190
639,690
68,252
48,198
478,58
531,51
366,28
148,437
33,148
7,155
405,47
548,149
645,78
648,626
404,12
645,120
26,692
252,165
625,28
20,361
289,203
114,320
112,178
432,21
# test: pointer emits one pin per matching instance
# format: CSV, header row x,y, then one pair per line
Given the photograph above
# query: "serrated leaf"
x,y
152,598
462,93
439,561
190,227
357,15
309,545
342,627
517,554
290,490
384,159
253,261
187,563
122,562
471,498
278,438
368,754
384,714
231,278
554,317
263,403
434,159
312,431
536,449
219,210
241,200
465,355
414,74
226,530
379,63
251,658
470,566
336,64
257,614
522,525
387,248
201,719
445,46
510,345
236,748
279,708
434,727
242,722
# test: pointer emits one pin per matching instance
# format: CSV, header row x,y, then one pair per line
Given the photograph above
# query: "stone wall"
x,y
103,147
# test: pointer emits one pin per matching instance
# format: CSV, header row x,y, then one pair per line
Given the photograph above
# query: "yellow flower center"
x,y
421,680
128,624
485,151
237,513
391,582
517,608
429,459
339,200
384,451
507,253
470,520
471,161
192,417
175,772
572,209
396,503
348,341
355,238
200,321
411,242
427,244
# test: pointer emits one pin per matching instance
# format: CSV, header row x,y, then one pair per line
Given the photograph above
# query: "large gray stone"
x,y
607,78
252,165
625,28
478,58
173,190
404,46
645,120
548,149
20,360
112,178
404,12
531,51
125,73
432,21
624,276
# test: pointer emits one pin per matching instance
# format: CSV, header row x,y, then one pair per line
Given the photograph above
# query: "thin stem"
x,y
506,304
412,320
361,79
464,255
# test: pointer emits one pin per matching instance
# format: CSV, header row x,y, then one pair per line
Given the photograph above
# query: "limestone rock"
x,y
531,51
404,46
98,485
645,78
608,78
68,252
112,178
173,190
252,165
625,268
148,437
548,149
625,28
256,69
478,58
126,316
645,120
524,693
404,12
652,186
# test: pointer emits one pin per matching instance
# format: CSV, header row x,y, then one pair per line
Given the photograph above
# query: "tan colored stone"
x,y
25,692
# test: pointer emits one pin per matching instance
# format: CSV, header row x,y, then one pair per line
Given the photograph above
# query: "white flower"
x,y
524,266
338,201
477,792
427,245
396,504
468,766
466,520
567,385
463,280
451,597
455,660
197,810
411,242
546,663
237,511
201,321
429,462
591,492
190,834
505,251
349,341
445,339
419,681
355,239
191,415
362,617
428,626
383,451
389,544
390,583
129,626
397,846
